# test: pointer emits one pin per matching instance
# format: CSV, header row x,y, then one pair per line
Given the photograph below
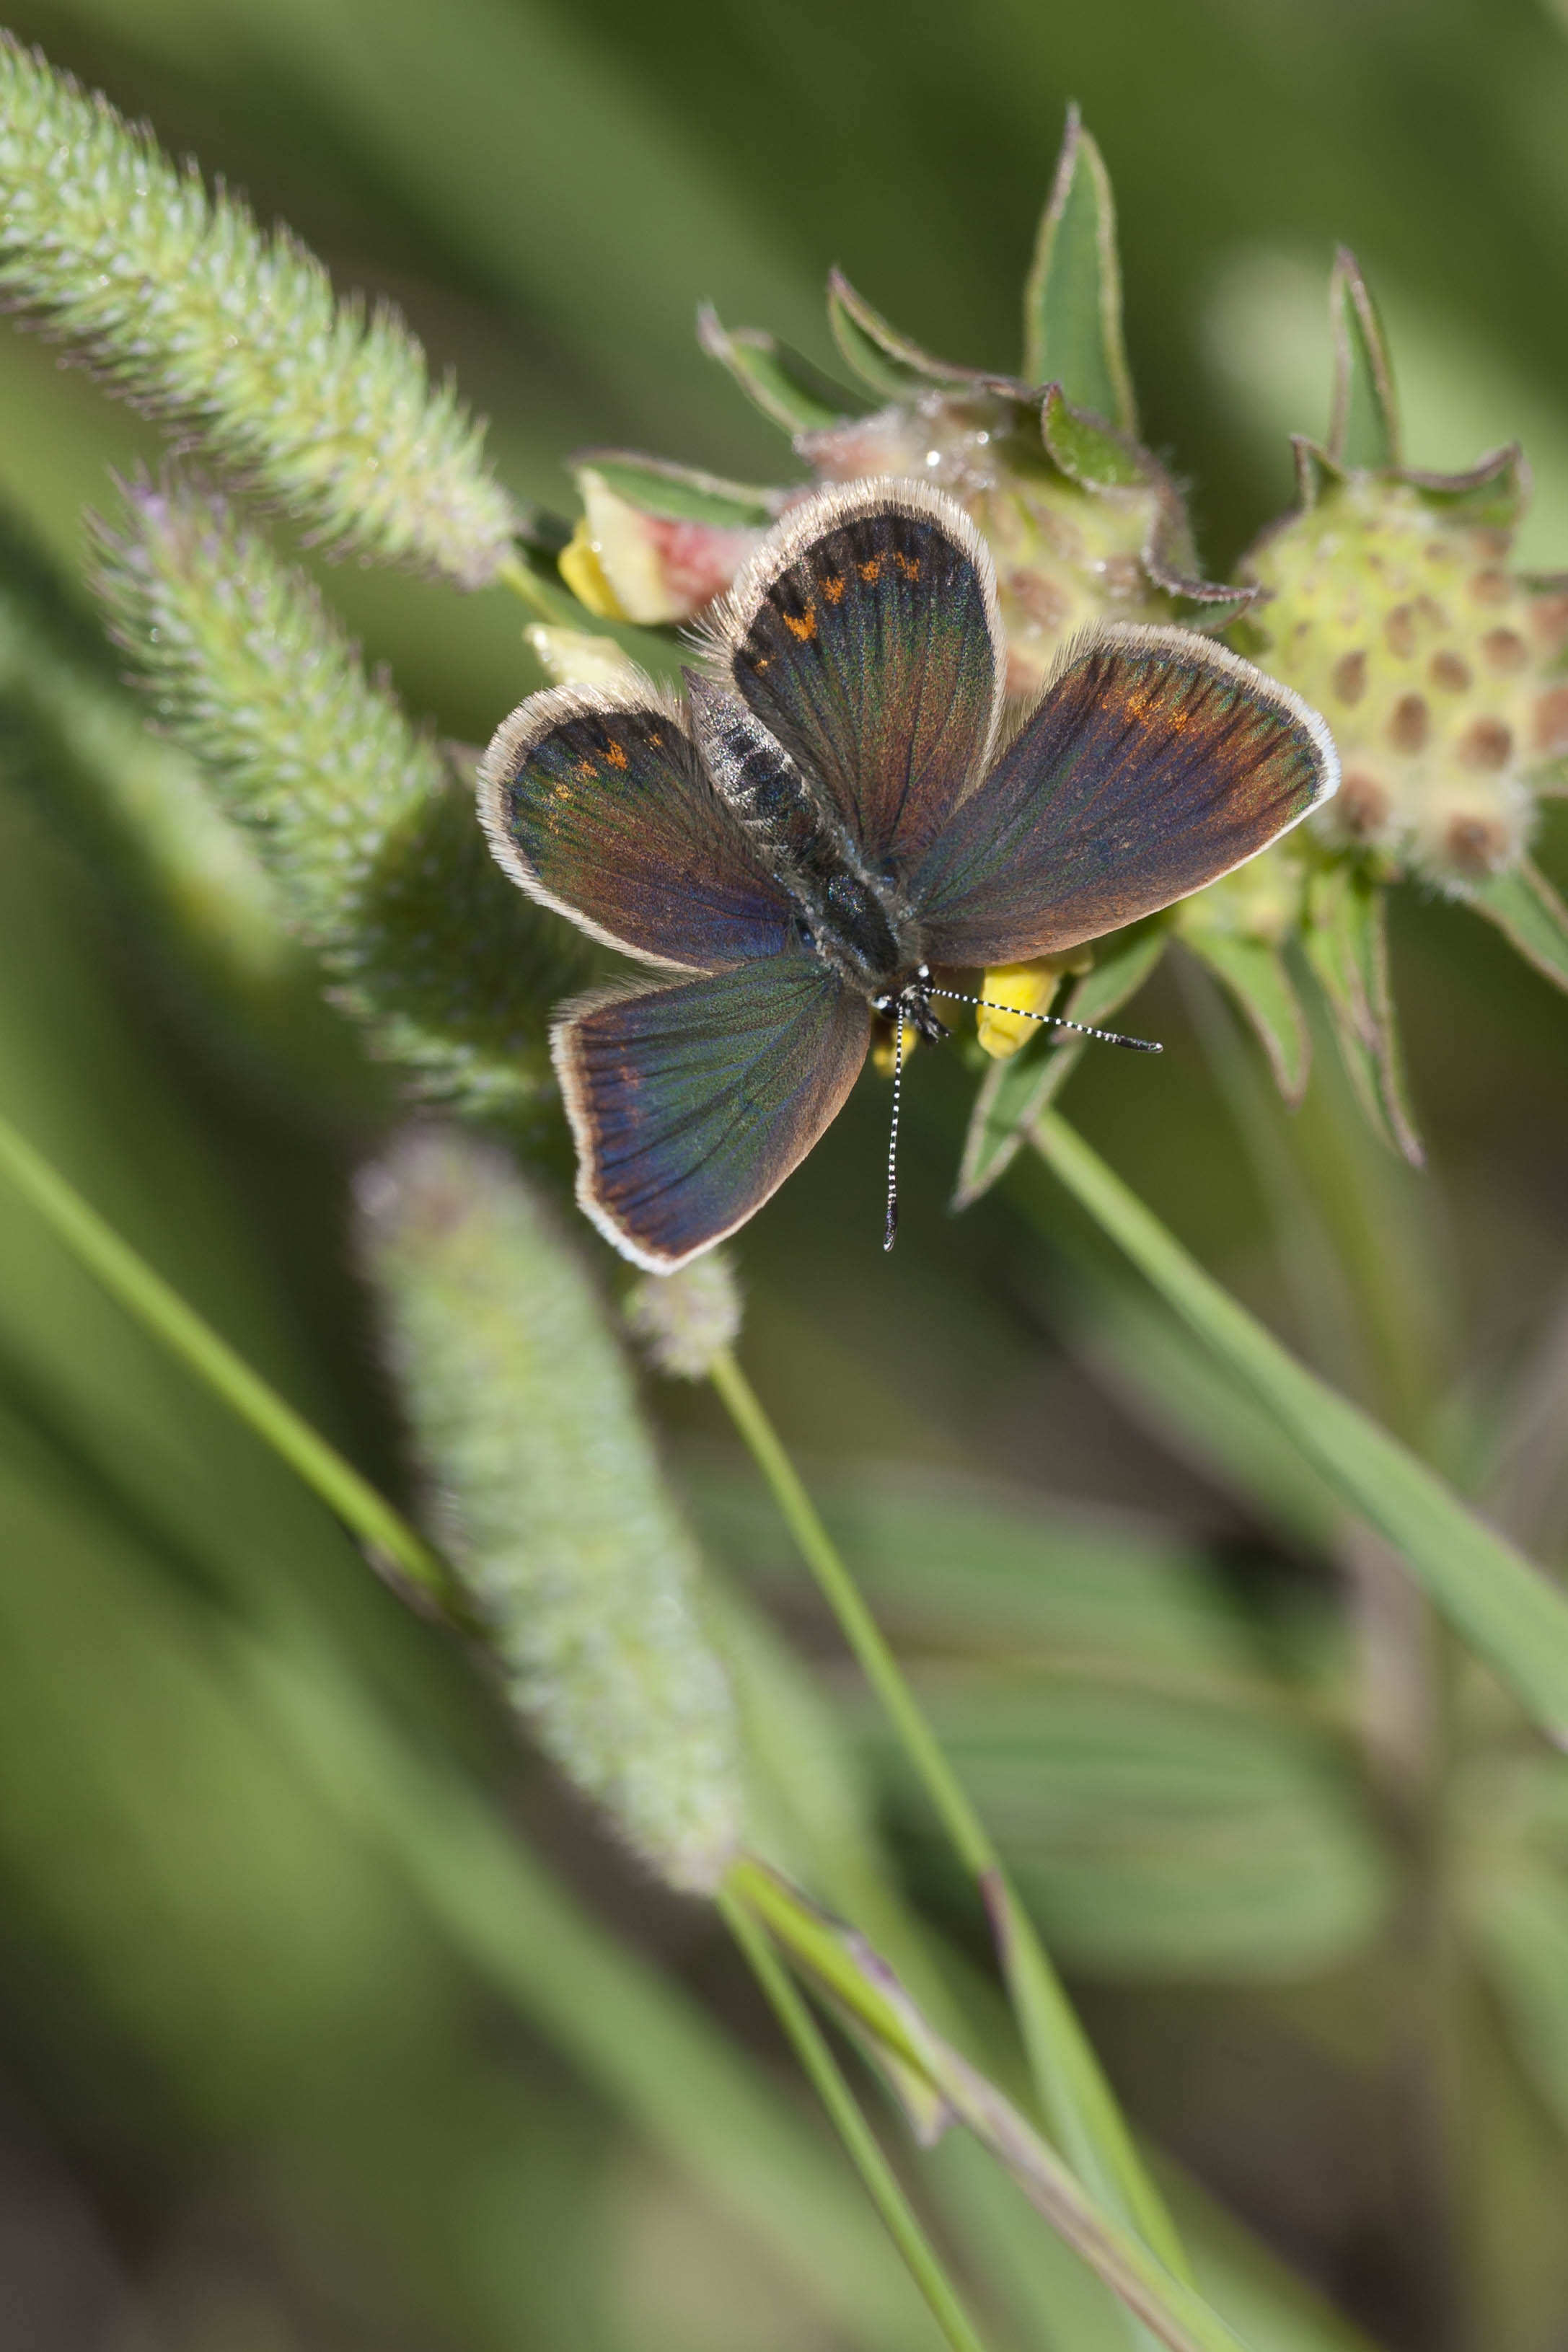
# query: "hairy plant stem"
x,y
1076,2101
810,2045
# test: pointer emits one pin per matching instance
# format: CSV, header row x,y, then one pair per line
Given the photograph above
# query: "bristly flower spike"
x,y
545,1495
181,303
354,811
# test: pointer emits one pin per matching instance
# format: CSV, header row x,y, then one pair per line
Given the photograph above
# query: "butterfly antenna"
x,y
890,1231
1050,1021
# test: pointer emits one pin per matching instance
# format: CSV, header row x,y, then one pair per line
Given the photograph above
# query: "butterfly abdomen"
x,y
849,917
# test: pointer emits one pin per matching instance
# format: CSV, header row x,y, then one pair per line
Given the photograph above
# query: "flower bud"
x,y
686,1321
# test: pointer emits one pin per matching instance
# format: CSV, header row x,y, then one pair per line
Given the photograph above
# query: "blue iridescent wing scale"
x,y
691,1101
1156,762
864,635
599,806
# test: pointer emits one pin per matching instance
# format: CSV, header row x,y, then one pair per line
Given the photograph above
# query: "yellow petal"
x,y
882,1053
584,574
1022,989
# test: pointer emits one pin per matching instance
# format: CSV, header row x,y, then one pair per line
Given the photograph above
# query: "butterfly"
x,y
830,815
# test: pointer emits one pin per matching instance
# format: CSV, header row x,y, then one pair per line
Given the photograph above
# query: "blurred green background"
x,y
253,2092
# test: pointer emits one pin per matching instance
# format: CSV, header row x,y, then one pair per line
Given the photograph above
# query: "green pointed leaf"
x,y
788,389
1012,1094
1346,941
881,357
1258,978
681,493
1495,1598
1528,913
1364,431
1088,449
1072,299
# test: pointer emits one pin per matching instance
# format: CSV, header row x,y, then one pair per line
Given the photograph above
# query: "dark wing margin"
x,y
1156,762
864,634
690,1102
597,806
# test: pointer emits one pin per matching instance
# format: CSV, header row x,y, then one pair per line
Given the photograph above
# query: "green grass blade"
x,y
854,1975
881,2182
1494,1596
159,1310
1075,2097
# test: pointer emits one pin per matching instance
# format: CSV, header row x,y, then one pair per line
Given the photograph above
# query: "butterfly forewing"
x,y
1157,763
598,805
864,635
691,1102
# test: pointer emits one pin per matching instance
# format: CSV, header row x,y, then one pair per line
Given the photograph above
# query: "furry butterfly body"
x,y
826,816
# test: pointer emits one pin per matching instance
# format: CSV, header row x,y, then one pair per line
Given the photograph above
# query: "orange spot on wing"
x,y
833,587
616,756
909,565
805,628
870,570
586,768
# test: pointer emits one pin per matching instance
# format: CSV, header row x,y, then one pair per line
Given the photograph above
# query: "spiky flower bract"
x,y
355,813
180,302
546,1498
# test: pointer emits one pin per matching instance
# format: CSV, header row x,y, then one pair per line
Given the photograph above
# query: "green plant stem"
x,y
533,591
827,2079
152,1303
1075,2098
1498,1600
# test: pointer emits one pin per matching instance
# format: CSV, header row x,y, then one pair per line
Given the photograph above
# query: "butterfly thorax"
x,y
849,914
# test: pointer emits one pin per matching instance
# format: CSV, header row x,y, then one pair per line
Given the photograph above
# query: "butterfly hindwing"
x,y
598,805
691,1102
865,637
1156,762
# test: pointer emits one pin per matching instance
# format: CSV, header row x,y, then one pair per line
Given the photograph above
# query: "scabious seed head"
x,y
180,302
382,867
1432,662
545,1496
1067,554
1084,524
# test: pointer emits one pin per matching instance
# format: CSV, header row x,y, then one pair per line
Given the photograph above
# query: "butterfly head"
x,y
907,1005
